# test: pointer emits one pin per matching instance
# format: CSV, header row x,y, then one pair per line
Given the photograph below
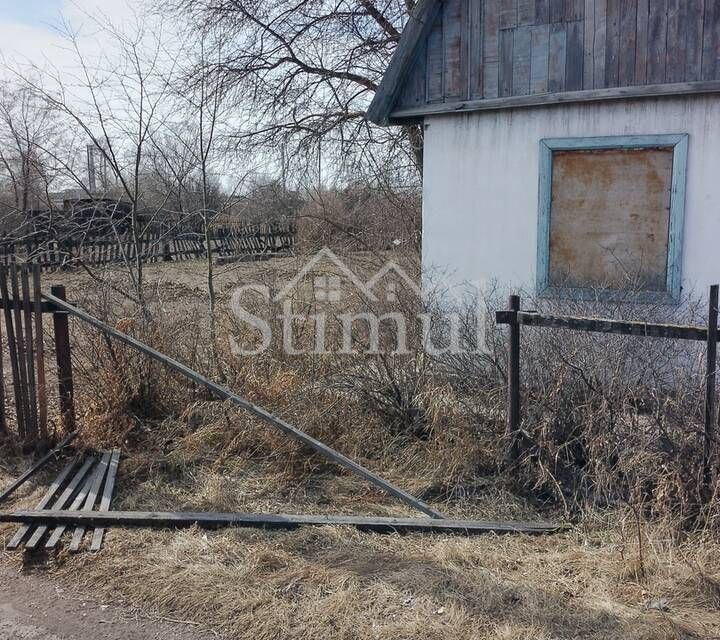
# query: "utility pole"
x,y
92,183
319,168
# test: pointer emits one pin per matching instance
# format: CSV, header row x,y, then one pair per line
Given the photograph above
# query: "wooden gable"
x,y
474,54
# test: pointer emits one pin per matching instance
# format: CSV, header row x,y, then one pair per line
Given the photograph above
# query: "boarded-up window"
x,y
610,218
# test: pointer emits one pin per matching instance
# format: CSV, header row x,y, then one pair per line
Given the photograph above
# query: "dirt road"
x,y
34,608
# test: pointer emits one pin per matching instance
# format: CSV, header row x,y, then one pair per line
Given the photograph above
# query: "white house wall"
x,y
480,202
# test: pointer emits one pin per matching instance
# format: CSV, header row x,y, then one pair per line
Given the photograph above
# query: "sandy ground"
x,y
33,608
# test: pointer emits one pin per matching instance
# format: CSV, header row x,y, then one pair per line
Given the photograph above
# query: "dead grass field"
x,y
609,577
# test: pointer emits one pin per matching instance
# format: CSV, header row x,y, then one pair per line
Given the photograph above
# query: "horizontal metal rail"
x,y
272,521
259,412
599,325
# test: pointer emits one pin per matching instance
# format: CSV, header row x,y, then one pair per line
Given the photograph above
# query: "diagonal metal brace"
x,y
259,412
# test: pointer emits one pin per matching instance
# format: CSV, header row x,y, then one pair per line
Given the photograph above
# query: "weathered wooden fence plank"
x,y
710,394
31,436
106,500
19,536
3,418
21,355
64,363
598,325
12,348
40,357
89,503
513,400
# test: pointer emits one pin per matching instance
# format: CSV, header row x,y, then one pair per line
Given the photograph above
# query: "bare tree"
x,y
27,127
118,101
207,102
307,69
194,153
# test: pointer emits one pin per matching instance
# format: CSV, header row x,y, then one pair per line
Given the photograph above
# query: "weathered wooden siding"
x,y
486,49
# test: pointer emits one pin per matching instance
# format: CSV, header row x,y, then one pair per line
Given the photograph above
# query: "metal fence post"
x,y
710,397
64,363
513,374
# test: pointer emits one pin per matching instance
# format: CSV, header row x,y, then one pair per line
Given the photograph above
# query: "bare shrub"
x,y
606,418
120,390
360,218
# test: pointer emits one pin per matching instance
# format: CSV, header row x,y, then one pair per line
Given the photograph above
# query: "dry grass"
x,y
339,583
610,577
595,582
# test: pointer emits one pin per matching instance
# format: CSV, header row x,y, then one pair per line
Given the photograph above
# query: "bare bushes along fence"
x,y
571,428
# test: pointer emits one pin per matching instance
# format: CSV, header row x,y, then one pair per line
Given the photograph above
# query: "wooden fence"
x,y
153,246
24,331
23,308
515,319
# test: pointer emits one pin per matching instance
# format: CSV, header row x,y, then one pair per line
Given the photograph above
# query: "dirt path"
x,y
33,608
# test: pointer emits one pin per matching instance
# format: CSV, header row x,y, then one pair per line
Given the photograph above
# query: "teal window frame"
x,y
679,144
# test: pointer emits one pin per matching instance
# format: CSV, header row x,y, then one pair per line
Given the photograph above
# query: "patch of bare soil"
x,y
34,608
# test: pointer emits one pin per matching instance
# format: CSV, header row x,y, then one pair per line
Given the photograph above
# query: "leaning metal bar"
x,y
226,394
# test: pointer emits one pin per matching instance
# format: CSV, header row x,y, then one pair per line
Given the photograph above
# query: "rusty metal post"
x,y
513,375
710,396
64,363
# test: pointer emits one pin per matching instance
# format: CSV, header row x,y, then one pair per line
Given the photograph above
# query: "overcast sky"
x,y
27,27
29,12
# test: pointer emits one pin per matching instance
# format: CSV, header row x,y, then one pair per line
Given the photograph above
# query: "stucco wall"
x,y
480,202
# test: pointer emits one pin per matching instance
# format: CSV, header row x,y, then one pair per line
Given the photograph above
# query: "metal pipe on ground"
x,y
164,520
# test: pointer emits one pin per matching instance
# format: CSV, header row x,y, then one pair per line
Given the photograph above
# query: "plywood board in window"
x,y
609,218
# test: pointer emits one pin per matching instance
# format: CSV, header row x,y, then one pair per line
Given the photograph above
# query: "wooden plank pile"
x,y
86,483
80,498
